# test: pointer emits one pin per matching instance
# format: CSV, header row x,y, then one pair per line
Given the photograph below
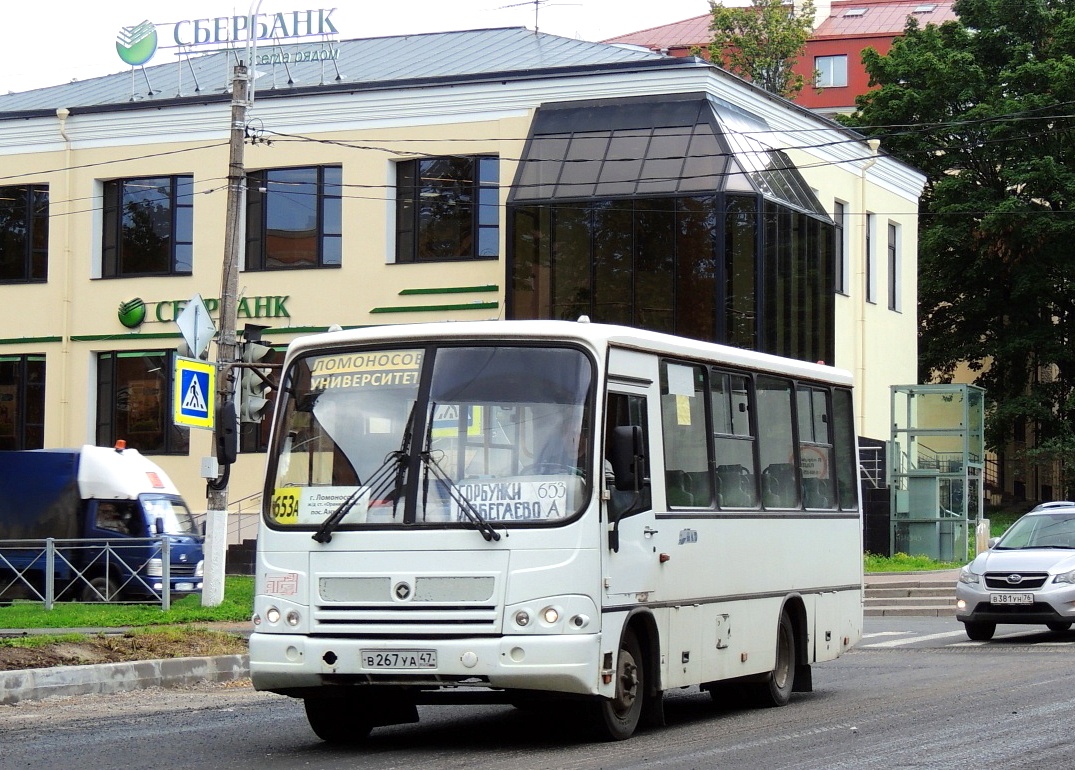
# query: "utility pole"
x,y
216,529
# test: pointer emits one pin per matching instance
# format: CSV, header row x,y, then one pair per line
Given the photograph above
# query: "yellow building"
x,y
467,175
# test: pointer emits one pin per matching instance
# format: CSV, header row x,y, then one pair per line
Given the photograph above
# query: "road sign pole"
x,y
216,530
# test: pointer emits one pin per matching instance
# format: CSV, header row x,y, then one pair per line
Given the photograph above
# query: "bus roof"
x,y
597,335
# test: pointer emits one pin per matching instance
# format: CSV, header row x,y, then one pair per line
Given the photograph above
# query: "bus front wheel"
x,y
336,720
617,717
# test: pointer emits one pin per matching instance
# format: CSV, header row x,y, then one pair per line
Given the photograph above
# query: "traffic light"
x,y
254,383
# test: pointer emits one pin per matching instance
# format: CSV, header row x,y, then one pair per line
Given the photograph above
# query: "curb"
x,y
109,678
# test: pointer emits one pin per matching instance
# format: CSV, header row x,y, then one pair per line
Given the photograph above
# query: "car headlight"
x,y
1065,577
966,576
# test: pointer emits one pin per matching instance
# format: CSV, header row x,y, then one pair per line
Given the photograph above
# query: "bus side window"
x,y
624,410
686,446
776,443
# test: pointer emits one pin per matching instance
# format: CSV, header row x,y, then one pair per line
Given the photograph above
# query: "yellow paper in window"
x,y
683,410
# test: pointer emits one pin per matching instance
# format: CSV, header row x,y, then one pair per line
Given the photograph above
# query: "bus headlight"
x,y
522,618
293,618
272,615
550,615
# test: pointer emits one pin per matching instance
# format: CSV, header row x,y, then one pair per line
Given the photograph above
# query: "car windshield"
x,y
1054,530
177,518
438,436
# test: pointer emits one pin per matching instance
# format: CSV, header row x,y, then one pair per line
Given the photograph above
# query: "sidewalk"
x,y
108,678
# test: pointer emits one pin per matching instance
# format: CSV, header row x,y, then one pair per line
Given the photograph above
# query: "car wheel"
x,y
980,632
1058,625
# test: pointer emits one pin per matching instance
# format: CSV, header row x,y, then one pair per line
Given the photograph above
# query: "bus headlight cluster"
x,y
273,616
564,615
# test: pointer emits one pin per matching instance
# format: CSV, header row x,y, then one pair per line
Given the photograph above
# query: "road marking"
x,y
885,633
913,640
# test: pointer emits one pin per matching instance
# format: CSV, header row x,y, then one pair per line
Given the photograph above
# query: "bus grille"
x,y
409,620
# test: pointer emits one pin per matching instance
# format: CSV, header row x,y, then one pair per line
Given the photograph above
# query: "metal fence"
x,y
89,570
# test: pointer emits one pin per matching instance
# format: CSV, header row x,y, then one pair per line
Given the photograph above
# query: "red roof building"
x,y
834,51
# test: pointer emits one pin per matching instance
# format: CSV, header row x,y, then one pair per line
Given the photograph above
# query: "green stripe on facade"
x,y
29,340
435,308
452,290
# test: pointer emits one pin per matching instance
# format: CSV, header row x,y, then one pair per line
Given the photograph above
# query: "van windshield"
x,y
415,435
177,518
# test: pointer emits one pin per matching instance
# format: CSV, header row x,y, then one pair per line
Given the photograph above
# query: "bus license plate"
x,y
399,658
1011,598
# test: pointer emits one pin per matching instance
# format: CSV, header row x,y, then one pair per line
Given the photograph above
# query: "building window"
x,y
893,267
447,208
293,218
871,267
831,71
134,402
148,226
24,233
22,402
843,268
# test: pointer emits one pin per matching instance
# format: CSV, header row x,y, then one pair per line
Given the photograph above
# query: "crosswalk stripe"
x,y
913,640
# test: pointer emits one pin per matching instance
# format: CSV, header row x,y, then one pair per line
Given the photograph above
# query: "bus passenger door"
x,y
632,562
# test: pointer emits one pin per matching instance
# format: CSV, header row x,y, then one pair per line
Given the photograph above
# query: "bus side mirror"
x,y
627,457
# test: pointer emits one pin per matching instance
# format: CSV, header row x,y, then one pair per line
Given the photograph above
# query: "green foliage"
x,y
237,606
983,107
901,562
762,42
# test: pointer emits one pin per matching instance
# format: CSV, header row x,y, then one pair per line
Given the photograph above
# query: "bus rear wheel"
x,y
775,689
617,718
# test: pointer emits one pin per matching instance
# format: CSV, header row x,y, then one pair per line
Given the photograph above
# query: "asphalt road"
x,y
915,694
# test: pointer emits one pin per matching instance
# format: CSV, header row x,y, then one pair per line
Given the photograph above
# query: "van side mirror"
x,y
158,525
627,457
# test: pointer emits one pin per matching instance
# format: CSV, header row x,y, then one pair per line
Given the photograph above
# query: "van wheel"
x,y
99,589
979,631
1058,625
775,689
617,718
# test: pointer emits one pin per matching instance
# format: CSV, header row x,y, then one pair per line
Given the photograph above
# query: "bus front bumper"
x,y
293,664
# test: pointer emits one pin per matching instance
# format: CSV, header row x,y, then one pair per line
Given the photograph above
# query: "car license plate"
x,y
184,586
398,658
1011,598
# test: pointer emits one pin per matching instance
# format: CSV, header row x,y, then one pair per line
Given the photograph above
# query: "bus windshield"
x,y
446,435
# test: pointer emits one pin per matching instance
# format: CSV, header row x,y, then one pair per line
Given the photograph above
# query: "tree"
x,y
762,42
984,107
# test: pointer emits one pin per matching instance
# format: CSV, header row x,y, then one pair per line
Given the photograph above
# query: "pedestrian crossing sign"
x,y
194,394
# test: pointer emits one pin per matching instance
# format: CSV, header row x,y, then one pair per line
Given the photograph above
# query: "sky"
x,y
50,42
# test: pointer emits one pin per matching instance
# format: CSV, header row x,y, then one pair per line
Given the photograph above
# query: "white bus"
x,y
545,511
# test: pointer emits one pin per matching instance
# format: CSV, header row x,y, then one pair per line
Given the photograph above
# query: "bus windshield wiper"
x,y
389,473
480,522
